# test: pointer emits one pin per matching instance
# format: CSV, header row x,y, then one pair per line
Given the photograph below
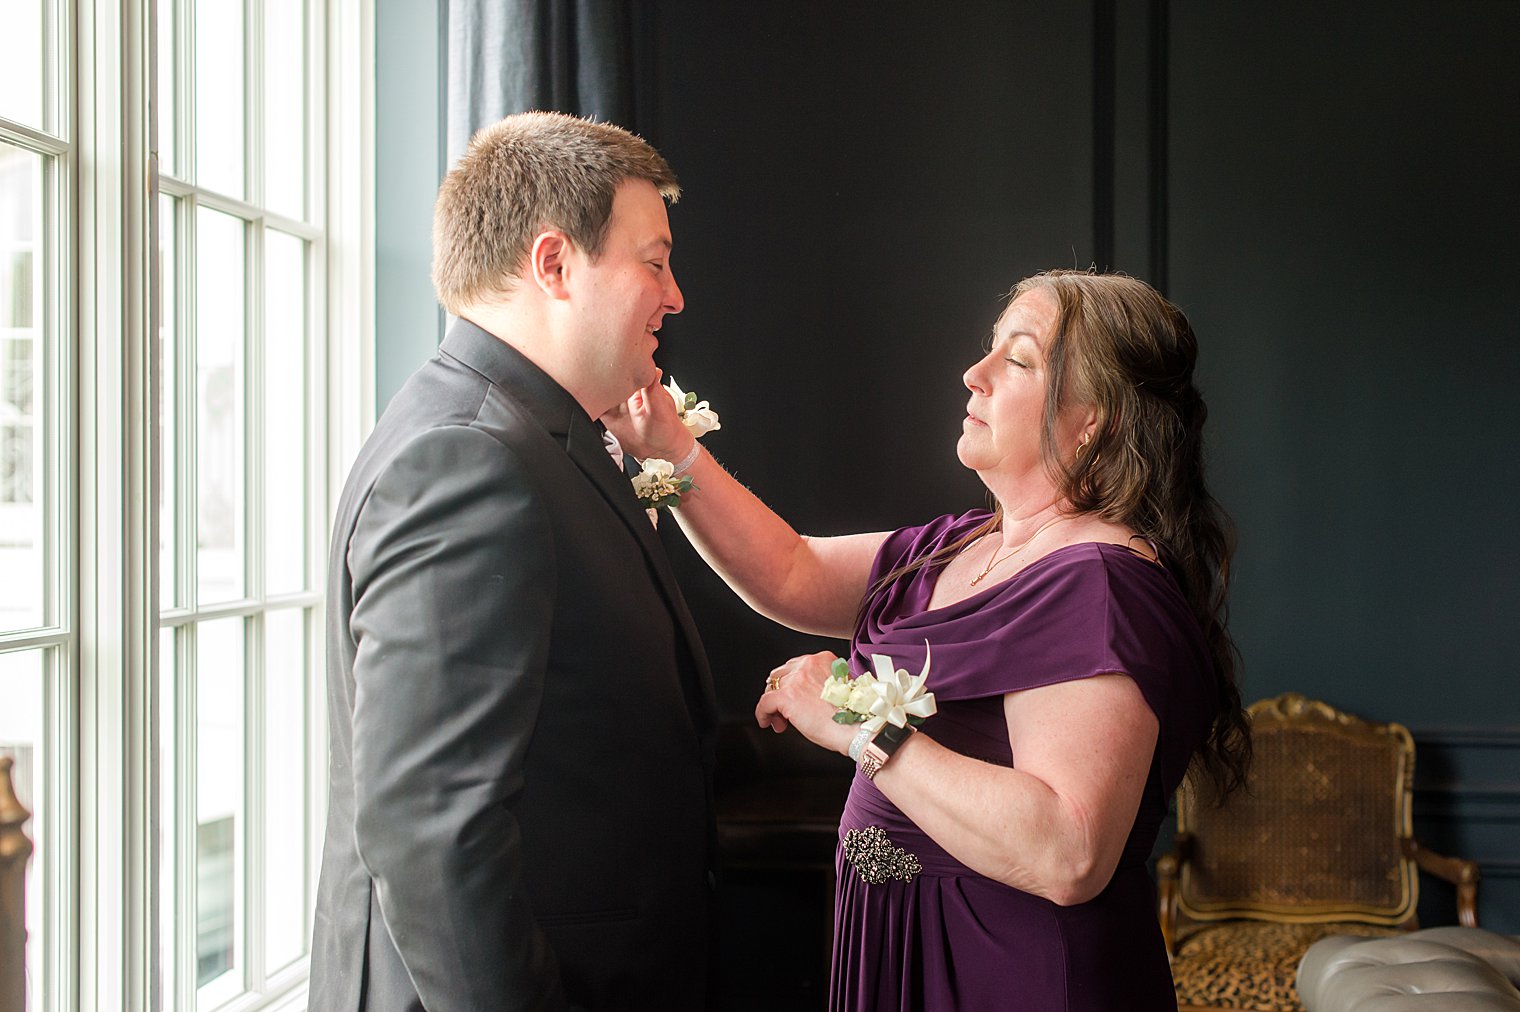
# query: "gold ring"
x,y
772,683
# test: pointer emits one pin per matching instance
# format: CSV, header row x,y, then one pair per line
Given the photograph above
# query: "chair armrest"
x,y
1458,871
1168,882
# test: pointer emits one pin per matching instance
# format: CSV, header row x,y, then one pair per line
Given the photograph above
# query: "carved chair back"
x,y
1322,831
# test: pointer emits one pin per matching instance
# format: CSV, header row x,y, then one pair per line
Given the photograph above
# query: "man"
x,y
522,719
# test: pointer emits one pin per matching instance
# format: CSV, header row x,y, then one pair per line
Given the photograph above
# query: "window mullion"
x,y
253,803
60,529
184,85
187,781
253,92
183,380
253,568
115,493
185,418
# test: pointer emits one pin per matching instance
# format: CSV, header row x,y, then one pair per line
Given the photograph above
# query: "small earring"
x,y
1086,438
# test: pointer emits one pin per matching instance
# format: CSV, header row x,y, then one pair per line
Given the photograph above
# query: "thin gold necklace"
x,y
995,561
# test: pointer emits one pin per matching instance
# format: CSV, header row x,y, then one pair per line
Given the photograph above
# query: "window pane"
x,y
165,107
23,493
21,66
168,418
285,833
219,416
219,110
284,414
219,810
21,738
285,107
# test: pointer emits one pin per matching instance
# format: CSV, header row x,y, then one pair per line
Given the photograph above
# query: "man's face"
x,y
623,296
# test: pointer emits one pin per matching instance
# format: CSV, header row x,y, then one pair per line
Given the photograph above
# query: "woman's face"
x,y
1000,436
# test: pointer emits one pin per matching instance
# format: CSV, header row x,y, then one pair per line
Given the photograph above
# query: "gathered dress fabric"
x,y
946,937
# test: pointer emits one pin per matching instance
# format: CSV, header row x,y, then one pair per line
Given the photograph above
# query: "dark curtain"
x,y
586,57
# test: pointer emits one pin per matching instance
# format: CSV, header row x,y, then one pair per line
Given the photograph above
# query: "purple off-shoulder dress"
x,y
950,938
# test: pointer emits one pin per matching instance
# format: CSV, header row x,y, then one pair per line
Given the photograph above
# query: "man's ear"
x,y
548,260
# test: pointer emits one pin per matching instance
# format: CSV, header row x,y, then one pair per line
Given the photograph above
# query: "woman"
x,y
1079,660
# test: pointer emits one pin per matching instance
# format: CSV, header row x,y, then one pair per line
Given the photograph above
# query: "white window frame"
x,y
100,719
56,481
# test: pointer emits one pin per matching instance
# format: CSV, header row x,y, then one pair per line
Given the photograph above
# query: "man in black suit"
x,y
521,716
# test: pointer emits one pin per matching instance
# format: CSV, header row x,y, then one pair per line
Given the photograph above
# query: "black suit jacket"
x,y
521,717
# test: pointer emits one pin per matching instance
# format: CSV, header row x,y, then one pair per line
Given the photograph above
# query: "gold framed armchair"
x,y
1318,843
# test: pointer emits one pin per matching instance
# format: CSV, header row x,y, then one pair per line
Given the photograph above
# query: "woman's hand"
x,y
647,425
797,701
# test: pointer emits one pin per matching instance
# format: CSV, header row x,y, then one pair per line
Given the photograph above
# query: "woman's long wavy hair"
x,y
1121,348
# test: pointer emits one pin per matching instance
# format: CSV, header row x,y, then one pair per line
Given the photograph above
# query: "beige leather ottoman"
x,y
1434,970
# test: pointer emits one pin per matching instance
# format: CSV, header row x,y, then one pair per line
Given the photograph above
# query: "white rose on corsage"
x,y
698,418
657,487
891,696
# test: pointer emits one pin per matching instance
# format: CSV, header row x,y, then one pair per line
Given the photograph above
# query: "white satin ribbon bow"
x,y
898,694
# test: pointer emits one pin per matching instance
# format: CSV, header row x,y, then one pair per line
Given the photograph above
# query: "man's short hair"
x,y
519,176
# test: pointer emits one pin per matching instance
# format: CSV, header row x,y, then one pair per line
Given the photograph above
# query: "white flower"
x,y
656,487
862,694
696,415
656,473
700,420
836,692
656,469
898,694
890,696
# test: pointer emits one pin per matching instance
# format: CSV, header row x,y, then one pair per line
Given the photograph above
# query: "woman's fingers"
x,y
768,713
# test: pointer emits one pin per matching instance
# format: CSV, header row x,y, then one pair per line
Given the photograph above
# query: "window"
x,y
38,636
241,251
183,382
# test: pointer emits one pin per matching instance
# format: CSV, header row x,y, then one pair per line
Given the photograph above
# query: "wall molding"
x,y
1104,123
1160,96
1498,736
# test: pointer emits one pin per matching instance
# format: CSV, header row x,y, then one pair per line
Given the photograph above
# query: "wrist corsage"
x,y
661,484
890,696
698,418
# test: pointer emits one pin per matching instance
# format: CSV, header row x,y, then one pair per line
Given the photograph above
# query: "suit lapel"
x,y
519,379
584,444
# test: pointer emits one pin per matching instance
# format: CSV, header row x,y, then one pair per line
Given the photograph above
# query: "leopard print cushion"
x,y
1249,964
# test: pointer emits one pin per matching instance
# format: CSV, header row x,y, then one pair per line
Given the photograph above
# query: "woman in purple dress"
x,y
996,859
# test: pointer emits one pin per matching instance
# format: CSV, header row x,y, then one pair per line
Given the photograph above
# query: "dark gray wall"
x,y
862,185
1344,206
1330,192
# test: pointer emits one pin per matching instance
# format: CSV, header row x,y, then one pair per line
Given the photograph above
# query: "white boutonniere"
x,y
890,696
657,486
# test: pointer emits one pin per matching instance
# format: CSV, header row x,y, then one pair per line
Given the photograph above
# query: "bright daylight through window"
x,y
170,425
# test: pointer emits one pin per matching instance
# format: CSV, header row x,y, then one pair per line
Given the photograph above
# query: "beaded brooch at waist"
x,y
880,829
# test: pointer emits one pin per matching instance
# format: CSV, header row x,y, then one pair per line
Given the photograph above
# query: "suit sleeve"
x,y
453,574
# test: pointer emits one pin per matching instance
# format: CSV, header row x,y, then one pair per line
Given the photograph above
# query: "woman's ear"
x,y
548,260
1090,422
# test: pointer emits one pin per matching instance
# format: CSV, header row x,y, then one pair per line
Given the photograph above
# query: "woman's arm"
x,y
810,584
1056,825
